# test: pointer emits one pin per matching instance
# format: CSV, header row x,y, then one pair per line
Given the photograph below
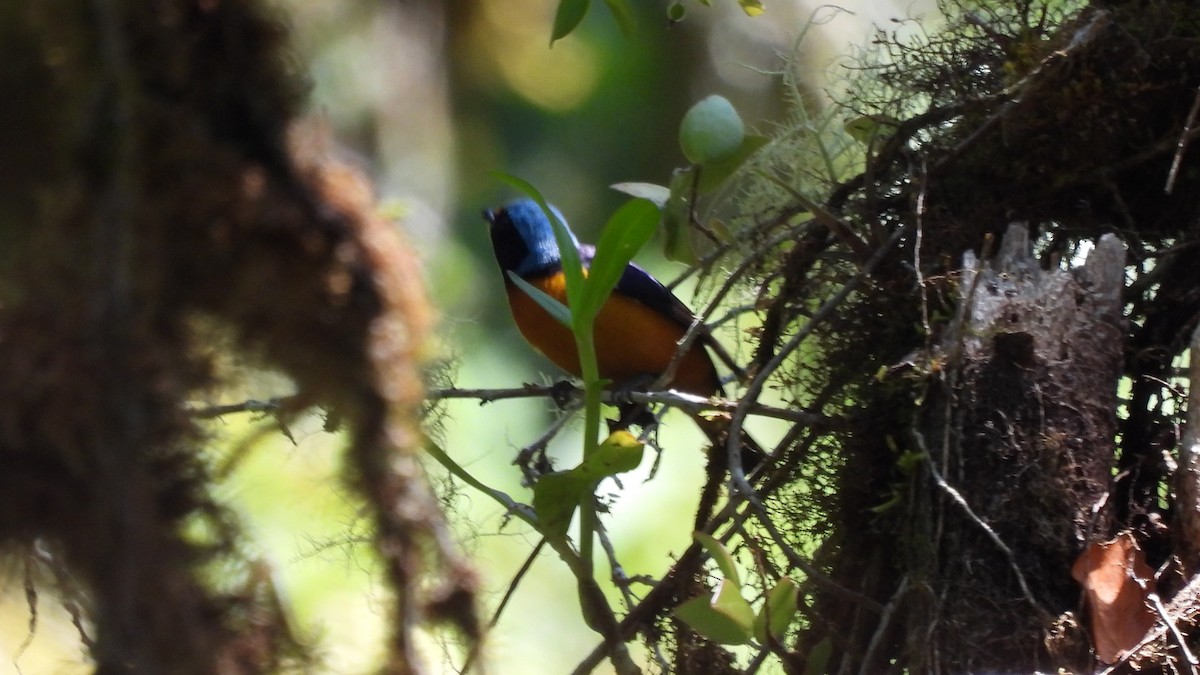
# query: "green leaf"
x,y
654,193
818,658
752,7
675,219
896,498
434,450
721,230
777,611
572,267
725,618
553,307
624,15
910,461
625,234
555,496
570,13
711,129
720,555
870,128
714,173
618,453
676,12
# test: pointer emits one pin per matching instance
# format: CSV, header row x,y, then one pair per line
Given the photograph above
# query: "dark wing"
x,y
638,284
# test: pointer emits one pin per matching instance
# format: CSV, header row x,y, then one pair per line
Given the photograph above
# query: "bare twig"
x,y
619,578
956,497
881,629
512,589
247,406
600,615
698,327
687,402
737,474
1169,623
817,576
1185,138
525,458
510,505
1187,477
489,395
1183,607
31,602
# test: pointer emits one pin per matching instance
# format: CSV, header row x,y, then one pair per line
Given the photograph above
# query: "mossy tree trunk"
x,y
1017,439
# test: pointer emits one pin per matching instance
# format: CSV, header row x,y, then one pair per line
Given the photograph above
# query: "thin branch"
x,y
687,402
490,395
1185,138
600,615
247,406
1187,477
525,461
750,399
699,327
885,618
510,505
516,581
814,574
1192,661
956,497
619,578
1183,607
476,650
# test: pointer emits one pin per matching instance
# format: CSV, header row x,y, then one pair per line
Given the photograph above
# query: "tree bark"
x,y
1018,440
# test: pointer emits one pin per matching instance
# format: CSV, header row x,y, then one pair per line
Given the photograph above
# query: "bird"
x,y
636,332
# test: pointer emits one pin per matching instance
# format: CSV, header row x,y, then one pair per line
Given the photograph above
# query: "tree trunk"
x,y
1019,432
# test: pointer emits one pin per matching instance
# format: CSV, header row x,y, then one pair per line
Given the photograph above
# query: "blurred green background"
x,y
428,97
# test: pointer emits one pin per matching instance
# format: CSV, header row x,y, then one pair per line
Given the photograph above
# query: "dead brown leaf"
x,y
1117,603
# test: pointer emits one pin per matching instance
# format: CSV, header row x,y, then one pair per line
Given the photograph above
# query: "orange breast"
x,y
632,340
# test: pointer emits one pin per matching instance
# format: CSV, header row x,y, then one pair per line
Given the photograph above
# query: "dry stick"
x,y
694,555
526,453
808,568
1185,137
1187,477
956,497
732,448
516,580
619,578
919,238
688,402
250,405
1182,605
622,580
698,326
473,655
1170,624
590,592
486,396
885,618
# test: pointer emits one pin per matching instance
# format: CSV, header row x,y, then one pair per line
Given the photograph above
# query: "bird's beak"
x,y
490,216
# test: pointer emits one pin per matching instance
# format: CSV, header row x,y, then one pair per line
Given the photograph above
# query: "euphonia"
x,y
636,332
